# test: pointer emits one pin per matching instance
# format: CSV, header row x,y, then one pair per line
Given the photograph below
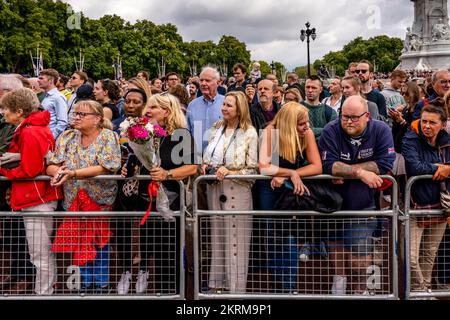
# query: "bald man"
x,y
359,148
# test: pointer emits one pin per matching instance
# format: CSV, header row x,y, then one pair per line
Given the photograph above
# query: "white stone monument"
x,y
427,43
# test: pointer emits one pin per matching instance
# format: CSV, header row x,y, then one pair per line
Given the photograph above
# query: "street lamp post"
x,y
272,66
306,34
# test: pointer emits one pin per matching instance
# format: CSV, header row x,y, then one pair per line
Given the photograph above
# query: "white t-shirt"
x,y
216,146
336,106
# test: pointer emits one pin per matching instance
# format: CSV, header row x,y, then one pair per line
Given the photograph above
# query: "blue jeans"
x,y
97,271
281,246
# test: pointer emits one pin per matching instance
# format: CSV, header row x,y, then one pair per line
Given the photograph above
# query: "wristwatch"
x,y
169,175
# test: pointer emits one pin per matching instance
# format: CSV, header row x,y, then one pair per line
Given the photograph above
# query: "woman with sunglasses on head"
x,y
232,150
107,93
87,150
158,238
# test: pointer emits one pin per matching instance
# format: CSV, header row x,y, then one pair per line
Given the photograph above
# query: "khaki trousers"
x,y
230,236
424,245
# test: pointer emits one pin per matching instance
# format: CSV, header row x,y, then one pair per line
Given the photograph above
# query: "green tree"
x,y
26,25
233,51
384,52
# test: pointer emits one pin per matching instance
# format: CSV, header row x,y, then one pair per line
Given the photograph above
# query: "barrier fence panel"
x,y
295,254
427,240
99,255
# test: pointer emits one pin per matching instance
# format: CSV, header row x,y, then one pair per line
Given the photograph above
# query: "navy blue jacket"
x,y
420,158
376,145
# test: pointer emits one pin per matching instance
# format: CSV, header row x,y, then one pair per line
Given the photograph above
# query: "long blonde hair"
x,y
175,119
289,142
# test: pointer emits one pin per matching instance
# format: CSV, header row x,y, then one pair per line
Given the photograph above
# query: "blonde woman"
x,y
292,94
297,157
232,150
159,238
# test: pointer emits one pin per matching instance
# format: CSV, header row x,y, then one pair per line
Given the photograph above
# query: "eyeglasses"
x,y
361,71
82,115
352,118
444,82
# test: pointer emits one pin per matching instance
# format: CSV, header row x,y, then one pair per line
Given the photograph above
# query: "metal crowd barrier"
x,y
160,259
430,254
303,276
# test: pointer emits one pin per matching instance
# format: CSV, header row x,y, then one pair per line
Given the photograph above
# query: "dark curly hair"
x,y
112,88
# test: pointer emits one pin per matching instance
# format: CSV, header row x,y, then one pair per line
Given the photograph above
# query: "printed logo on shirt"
x,y
345,156
391,150
365,153
324,155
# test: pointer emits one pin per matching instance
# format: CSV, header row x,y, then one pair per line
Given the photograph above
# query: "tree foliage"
x,y
26,25
384,52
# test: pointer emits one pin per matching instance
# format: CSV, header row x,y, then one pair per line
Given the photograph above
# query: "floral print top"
x,y
104,151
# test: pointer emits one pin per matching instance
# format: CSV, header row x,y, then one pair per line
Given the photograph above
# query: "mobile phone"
x,y
58,177
288,184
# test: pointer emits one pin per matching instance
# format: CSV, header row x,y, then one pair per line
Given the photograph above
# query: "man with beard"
x,y
364,71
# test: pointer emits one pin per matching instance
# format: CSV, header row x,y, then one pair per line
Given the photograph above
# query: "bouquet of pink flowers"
x,y
145,139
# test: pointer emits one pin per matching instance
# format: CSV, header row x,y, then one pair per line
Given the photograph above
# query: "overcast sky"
x,y
270,28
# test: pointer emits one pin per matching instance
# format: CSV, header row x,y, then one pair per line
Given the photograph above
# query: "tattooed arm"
x,y
367,172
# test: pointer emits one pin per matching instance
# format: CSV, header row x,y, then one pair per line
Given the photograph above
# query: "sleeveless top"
x,y
300,161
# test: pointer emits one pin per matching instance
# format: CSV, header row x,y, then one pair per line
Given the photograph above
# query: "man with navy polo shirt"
x,y
359,148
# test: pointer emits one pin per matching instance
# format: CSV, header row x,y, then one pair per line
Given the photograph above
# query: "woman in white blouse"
x,y
232,150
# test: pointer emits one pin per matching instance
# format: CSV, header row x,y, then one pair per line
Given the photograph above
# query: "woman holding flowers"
x,y
87,150
176,162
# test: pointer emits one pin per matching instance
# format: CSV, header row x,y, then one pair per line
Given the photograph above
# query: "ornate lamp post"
x,y
306,34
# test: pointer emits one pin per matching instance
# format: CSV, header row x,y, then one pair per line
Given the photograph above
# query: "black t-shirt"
x,y
175,151
114,110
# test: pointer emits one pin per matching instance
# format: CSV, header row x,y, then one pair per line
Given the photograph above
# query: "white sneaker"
x,y
124,283
141,282
339,285
305,252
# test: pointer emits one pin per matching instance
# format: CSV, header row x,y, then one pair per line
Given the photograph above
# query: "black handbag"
x,y
322,198
9,160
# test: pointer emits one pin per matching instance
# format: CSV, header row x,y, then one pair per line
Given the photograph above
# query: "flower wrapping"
x,y
145,139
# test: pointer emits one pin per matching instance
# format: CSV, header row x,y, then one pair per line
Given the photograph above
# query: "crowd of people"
x,y
69,129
